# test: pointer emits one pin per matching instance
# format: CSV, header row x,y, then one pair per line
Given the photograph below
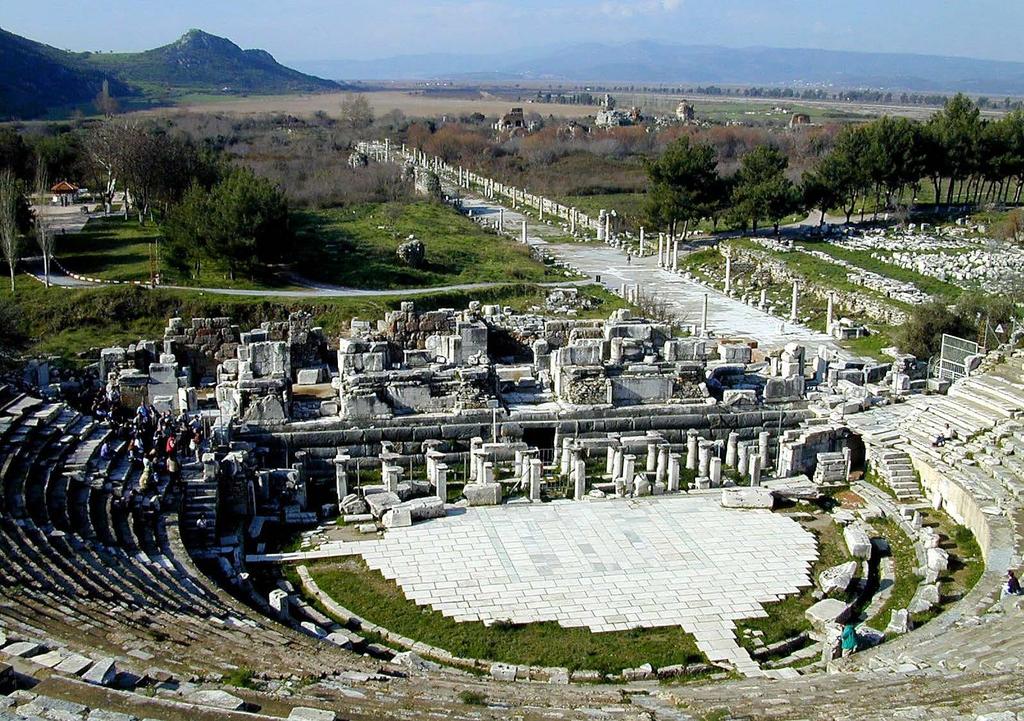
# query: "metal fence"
x,y
954,355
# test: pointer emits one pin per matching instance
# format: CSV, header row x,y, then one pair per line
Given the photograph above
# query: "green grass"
x,y
356,246
786,618
871,345
369,595
863,259
904,564
75,323
109,248
117,249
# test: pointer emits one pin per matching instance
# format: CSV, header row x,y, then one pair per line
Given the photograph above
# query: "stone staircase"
x,y
895,468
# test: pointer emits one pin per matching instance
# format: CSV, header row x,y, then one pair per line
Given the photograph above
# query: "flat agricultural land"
x,y
412,103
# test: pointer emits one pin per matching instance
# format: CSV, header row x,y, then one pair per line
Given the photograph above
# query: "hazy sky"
x,y
297,30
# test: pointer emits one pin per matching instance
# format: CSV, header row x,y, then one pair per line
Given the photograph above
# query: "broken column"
x,y
536,470
341,475
579,478
731,449
755,470
441,481
743,455
763,440
673,472
704,458
390,476
652,457
716,472
691,450
662,470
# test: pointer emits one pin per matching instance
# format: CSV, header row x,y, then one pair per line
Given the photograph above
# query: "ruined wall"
x,y
876,308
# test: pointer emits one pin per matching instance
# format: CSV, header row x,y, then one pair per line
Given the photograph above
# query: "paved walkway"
x,y
727,317
610,565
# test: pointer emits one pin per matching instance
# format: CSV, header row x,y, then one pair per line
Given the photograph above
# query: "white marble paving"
x,y
605,565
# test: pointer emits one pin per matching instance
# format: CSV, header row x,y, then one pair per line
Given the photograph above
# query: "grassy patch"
x,y
786,618
240,678
368,594
356,246
472,698
904,564
871,345
117,249
71,322
863,259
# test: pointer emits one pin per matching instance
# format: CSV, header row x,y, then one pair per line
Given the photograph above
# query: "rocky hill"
x,y
37,80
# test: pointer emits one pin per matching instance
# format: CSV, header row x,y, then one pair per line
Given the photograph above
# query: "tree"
x,y
105,103
957,128
10,235
238,224
762,190
684,186
356,112
44,235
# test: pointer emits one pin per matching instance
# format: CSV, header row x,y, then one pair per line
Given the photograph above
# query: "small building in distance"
x,y
64,193
618,118
511,122
798,119
684,112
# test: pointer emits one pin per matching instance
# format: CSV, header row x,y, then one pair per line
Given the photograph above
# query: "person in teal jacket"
x,y
849,639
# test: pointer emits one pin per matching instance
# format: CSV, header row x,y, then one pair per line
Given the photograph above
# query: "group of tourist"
x,y
157,442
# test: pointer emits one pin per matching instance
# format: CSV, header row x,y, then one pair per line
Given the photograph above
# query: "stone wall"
x,y
876,308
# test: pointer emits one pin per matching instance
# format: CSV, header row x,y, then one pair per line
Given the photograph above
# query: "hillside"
x,y
200,61
37,79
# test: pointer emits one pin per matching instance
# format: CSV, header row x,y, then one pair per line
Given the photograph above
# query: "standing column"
x,y
617,463
641,241
675,254
704,458
763,304
673,473
501,220
518,466
341,475
704,318
628,467
608,228
474,446
763,439
572,221
609,465
580,478
652,457
661,472
566,456
792,305
691,450
441,481
828,313
716,472
744,457
755,471
728,273
536,469
730,449
524,237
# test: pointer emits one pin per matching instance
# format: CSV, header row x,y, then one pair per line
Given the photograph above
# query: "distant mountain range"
x,y
38,80
666,63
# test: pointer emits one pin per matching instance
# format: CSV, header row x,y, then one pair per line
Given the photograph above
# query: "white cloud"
x,y
631,8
